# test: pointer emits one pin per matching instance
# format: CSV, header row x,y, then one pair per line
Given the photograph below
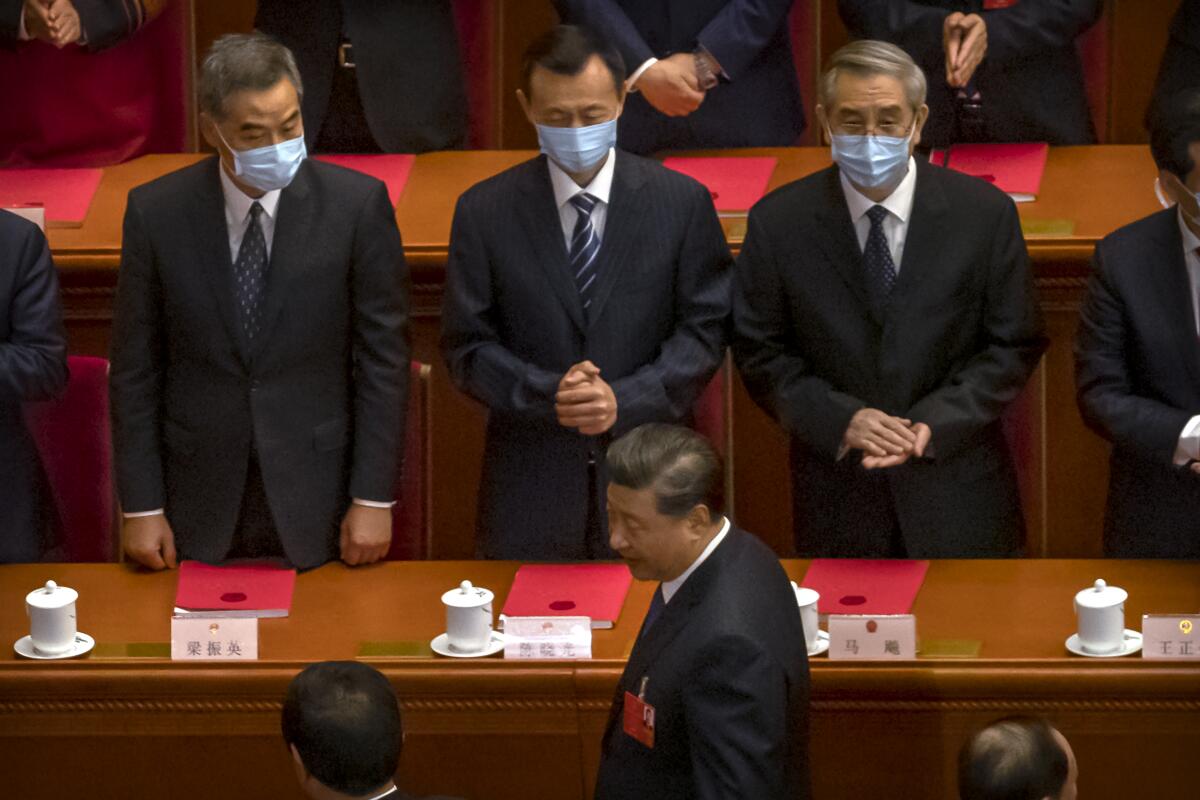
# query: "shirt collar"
x,y
669,588
1190,241
899,202
238,203
565,186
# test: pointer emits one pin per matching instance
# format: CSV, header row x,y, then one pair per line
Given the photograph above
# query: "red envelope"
x,y
1013,168
65,193
735,183
864,586
392,169
572,590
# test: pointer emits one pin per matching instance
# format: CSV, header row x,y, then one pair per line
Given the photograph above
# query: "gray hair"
x,y
871,57
680,464
240,61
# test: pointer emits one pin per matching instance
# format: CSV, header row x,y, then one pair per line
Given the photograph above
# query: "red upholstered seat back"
x,y
410,516
75,443
475,22
709,412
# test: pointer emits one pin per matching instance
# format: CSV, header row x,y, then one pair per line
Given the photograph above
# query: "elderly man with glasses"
x,y
884,314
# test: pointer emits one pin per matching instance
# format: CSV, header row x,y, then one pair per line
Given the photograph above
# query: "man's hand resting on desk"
x,y
149,541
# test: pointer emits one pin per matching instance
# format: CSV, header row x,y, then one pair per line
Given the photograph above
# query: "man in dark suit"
x,y
587,292
714,700
95,25
380,76
884,314
259,356
702,73
342,724
998,71
1137,356
33,366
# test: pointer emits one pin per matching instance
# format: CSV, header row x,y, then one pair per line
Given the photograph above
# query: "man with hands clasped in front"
x,y
884,314
587,292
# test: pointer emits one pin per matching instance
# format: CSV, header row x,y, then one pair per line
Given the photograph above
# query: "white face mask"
x,y
271,167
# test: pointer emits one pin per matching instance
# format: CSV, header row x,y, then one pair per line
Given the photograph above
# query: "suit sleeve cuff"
x,y
631,81
373,503
1188,448
132,514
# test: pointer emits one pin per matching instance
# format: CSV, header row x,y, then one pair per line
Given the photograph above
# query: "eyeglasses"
x,y
894,130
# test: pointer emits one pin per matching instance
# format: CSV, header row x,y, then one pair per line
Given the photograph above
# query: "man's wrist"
x,y
631,81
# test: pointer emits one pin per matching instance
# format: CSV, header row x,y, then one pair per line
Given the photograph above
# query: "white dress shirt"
x,y
237,214
899,205
1189,440
669,588
565,188
237,221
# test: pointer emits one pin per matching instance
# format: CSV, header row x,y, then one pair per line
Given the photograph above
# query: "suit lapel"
x,y
627,212
539,217
212,236
289,248
926,236
839,243
1175,293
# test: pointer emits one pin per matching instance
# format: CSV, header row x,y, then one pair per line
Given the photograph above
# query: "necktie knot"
x,y
256,211
877,214
584,203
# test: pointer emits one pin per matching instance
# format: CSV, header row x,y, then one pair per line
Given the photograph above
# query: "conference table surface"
x,y
1019,610
1095,189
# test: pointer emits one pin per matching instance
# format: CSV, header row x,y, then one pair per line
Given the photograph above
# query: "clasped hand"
x,y
584,401
886,441
55,22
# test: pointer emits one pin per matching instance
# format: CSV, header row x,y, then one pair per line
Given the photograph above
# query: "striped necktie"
x,y
585,245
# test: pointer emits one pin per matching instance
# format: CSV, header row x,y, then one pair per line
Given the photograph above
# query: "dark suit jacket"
x,y
1137,371
320,397
728,678
758,106
33,366
1030,78
407,62
952,347
512,325
1180,67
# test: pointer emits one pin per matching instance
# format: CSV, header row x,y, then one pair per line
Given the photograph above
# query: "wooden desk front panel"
x,y
1097,188
495,730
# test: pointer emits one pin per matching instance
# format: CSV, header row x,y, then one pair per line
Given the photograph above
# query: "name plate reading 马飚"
x,y
547,637
857,637
1171,636
207,639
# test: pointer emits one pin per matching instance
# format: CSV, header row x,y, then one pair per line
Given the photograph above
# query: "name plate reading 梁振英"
x,y
221,639
547,637
1171,636
859,637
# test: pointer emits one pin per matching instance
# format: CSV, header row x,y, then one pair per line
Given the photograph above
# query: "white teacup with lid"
x,y
1100,609
51,611
468,618
807,599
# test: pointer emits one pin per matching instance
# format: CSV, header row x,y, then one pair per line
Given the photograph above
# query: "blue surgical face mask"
x,y
578,149
871,161
271,167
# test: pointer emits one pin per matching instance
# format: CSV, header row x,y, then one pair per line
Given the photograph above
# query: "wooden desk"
x,y
1098,188
492,729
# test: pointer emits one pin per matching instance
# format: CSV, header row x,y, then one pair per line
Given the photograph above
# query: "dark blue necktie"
x,y
877,258
250,273
656,608
585,244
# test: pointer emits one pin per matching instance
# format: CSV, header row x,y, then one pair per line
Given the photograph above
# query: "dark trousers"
x,y
255,535
345,128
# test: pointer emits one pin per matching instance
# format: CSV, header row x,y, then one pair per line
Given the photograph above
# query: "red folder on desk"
x,y
864,586
66,193
1013,168
245,590
570,590
735,183
391,168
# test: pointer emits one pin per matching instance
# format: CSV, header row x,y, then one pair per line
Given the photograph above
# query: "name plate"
x,y
1171,636
34,212
858,637
214,639
547,637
